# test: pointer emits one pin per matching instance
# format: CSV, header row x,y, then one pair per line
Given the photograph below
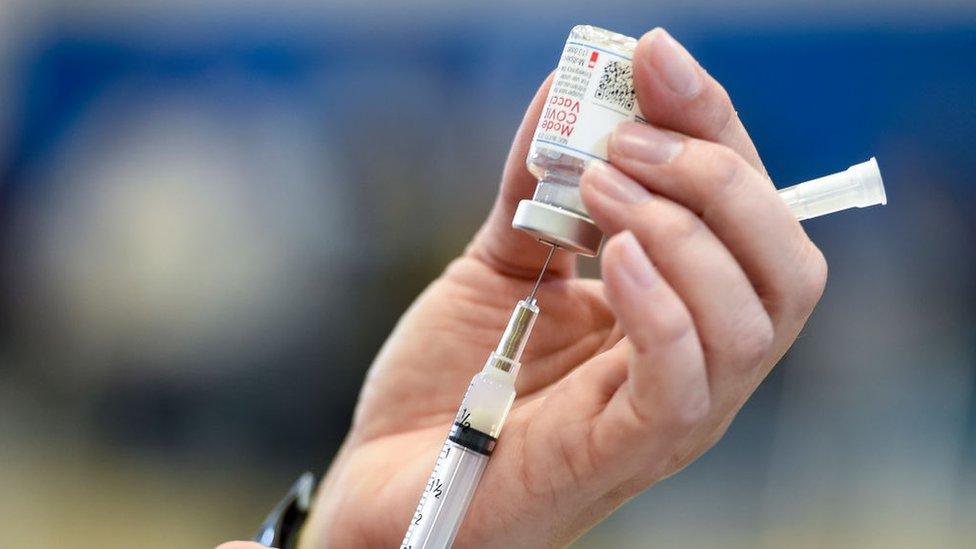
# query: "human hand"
x,y
707,280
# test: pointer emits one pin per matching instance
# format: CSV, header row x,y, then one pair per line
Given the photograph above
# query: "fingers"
x,y
667,383
515,252
240,545
675,92
641,398
731,321
738,205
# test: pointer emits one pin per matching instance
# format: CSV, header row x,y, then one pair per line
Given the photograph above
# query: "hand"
x,y
707,280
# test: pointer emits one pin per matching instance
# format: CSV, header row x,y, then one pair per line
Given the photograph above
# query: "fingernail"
x,y
676,66
644,143
634,262
614,185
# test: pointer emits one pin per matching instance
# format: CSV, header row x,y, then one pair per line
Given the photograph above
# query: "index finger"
x,y
676,93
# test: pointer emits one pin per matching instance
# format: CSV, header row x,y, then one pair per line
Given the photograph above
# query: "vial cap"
x,y
563,228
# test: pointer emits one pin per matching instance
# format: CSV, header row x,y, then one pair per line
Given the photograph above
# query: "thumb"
x,y
497,244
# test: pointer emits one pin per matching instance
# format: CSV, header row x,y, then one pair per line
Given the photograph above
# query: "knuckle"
x,y
675,225
689,412
714,170
754,345
761,341
726,165
812,280
721,116
670,325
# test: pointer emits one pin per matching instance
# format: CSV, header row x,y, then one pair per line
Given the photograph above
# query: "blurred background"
x,y
212,214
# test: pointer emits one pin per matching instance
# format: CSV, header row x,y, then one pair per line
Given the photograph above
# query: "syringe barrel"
x,y
471,440
859,186
446,497
462,460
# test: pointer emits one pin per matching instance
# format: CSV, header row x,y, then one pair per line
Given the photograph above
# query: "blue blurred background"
x,y
211,215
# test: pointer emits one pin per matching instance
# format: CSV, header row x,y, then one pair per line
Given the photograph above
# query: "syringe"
x,y
490,395
476,426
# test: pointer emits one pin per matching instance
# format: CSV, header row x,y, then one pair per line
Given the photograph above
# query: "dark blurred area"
x,y
211,216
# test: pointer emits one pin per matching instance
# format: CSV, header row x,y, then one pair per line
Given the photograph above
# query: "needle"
x,y
538,281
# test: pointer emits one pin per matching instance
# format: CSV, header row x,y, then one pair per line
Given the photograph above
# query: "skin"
x,y
707,279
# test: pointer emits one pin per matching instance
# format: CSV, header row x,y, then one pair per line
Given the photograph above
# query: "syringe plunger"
x,y
859,186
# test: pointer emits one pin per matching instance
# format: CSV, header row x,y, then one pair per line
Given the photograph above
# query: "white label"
x,y
592,92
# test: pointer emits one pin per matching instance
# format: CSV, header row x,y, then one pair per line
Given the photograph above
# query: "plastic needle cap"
x,y
859,186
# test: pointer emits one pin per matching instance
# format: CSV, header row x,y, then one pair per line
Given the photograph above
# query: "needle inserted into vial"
x,y
542,273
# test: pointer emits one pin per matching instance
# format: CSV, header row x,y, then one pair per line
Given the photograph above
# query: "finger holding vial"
x,y
675,92
739,206
732,324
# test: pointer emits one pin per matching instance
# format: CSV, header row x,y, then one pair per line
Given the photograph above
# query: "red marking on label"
x,y
593,57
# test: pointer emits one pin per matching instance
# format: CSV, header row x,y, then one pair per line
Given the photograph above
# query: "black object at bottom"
x,y
285,521
472,439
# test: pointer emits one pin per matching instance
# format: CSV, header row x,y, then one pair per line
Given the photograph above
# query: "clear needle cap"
x,y
859,186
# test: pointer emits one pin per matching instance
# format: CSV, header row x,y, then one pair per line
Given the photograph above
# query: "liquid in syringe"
x,y
472,436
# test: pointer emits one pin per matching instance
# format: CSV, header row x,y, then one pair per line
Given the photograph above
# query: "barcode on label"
x,y
616,86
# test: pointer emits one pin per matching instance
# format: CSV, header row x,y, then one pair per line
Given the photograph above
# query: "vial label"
x,y
592,92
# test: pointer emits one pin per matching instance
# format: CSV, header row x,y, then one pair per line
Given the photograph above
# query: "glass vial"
x,y
592,91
